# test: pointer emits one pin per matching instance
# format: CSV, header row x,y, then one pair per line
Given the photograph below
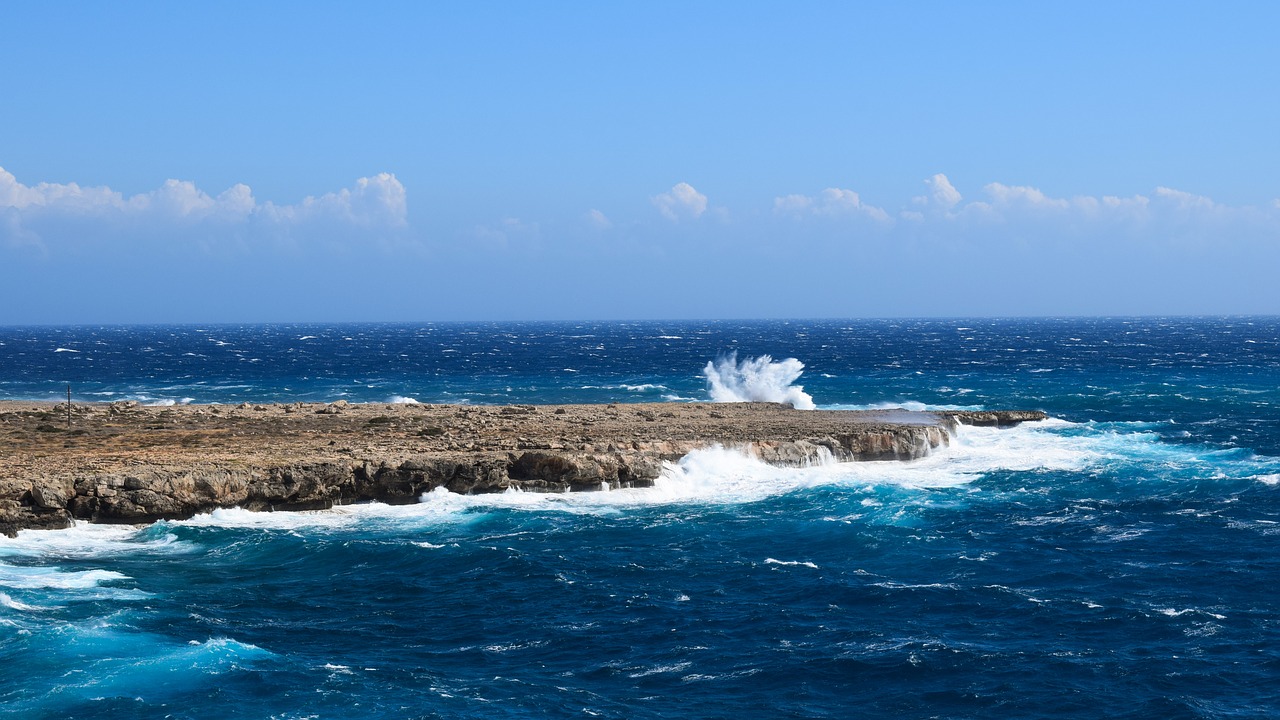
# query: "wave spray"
x,y
757,379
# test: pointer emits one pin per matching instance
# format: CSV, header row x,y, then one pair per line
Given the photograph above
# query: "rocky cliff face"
x,y
275,465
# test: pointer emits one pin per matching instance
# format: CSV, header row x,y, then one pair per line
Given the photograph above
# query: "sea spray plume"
x,y
758,379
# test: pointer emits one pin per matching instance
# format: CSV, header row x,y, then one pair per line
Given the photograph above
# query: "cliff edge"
x,y
122,462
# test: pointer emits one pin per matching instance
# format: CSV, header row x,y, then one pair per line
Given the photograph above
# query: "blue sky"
x,y
428,161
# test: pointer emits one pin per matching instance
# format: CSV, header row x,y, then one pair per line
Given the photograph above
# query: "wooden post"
x,y
68,406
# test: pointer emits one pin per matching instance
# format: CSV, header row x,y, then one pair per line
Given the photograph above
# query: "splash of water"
x,y
757,379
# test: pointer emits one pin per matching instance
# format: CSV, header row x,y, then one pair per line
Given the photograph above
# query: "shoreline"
x,y
124,462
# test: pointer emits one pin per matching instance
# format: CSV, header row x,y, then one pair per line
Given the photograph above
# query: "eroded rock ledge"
x,y
131,464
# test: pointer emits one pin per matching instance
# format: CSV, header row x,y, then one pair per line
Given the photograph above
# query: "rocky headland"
x,y
126,463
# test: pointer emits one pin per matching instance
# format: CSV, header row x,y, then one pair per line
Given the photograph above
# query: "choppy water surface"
x,y
1117,560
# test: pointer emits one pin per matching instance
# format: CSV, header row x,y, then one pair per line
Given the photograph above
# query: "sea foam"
x,y
722,476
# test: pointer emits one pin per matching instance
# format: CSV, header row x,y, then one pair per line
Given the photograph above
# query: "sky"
x,y
289,162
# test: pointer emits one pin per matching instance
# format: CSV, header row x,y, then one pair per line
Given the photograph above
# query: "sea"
x,y
1120,559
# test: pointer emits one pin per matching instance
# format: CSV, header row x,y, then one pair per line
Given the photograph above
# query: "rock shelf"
x,y
126,463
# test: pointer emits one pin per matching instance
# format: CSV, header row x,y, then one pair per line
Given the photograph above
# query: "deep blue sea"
x,y
1118,560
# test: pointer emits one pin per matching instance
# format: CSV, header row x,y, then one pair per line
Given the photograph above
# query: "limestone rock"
x,y
138,464
47,498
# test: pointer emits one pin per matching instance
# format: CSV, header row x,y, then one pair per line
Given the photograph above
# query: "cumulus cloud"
x,y
1163,217
830,202
681,202
1023,196
30,212
377,200
1026,214
943,194
1187,201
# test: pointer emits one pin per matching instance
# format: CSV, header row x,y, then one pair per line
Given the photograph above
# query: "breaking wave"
x,y
758,379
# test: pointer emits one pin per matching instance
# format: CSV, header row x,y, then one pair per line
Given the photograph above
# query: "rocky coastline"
x,y
126,463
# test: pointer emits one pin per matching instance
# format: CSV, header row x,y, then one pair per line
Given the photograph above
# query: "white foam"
x,y
790,563
402,400
642,387
337,518
12,604
1174,612
758,379
658,669
53,578
66,350
87,541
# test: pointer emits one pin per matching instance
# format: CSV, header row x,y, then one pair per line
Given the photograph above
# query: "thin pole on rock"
x,y
68,405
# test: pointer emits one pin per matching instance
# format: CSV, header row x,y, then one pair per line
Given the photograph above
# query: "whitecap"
x,y
12,604
54,578
658,669
88,540
790,563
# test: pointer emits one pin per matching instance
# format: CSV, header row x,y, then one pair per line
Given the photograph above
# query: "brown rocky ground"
x,y
121,462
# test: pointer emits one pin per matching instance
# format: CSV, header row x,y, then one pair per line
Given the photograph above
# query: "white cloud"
x,y
830,202
598,220
32,211
71,196
1022,196
944,193
1164,217
1025,214
681,202
377,200
1185,200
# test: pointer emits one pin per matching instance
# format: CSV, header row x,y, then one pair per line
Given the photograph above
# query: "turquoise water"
x,y
1117,560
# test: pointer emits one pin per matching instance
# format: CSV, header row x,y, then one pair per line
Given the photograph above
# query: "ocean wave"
x,y
790,563
84,540
54,578
120,664
757,379
9,602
